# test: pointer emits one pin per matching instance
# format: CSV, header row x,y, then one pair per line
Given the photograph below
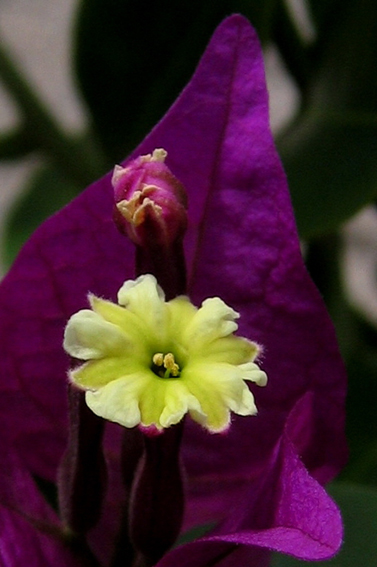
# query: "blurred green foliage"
x,y
161,44
330,150
45,192
131,61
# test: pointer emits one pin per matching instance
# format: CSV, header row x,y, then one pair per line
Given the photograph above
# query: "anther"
x,y
171,366
158,359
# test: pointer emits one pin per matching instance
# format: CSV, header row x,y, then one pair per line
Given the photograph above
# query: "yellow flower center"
x,y
165,365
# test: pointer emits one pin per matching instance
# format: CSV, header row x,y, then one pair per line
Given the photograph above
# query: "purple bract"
x,y
261,481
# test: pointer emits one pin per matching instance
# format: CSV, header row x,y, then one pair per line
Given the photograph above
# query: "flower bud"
x,y
150,202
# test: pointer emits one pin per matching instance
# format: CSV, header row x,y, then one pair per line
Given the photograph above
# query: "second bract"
x,y
257,483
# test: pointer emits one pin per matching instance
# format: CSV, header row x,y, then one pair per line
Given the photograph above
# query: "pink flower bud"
x,y
150,202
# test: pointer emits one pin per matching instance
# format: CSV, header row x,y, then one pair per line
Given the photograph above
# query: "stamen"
x,y
167,365
159,154
172,368
158,359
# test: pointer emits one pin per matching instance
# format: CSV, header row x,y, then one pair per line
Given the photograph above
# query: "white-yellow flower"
x,y
149,362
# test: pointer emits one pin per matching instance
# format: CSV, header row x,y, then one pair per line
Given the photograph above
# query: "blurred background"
x,y
80,86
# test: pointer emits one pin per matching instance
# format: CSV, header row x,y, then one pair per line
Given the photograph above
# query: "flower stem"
x,y
157,499
82,551
142,561
167,264
132,450
82,471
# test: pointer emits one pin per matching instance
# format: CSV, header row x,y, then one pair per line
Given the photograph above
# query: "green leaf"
x,y
133,59
361,407
357,340
76,156
16,144
195,533
346,78
324,13
45,192
330,151
359,508
330,160
293,49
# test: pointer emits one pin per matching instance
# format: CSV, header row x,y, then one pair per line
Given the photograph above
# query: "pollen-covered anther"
x,y
159,154
135,210
171,366
165,365
158,359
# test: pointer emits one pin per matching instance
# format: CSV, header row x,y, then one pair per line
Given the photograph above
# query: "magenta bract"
x,y
261,481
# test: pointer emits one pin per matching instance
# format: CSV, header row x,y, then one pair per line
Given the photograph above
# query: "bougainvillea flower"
x,y
150,203
129,347
261,482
